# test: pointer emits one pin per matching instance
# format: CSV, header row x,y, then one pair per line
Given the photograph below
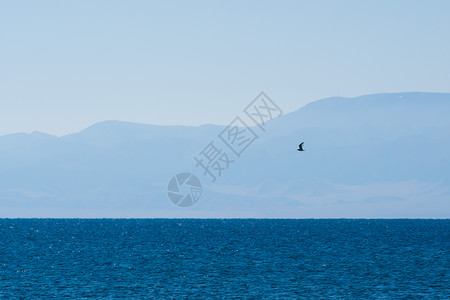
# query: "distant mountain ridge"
x,y
382,155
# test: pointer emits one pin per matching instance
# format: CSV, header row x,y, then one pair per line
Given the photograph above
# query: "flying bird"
x,y
300,147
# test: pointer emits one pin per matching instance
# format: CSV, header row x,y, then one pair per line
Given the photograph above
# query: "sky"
x,y
65,65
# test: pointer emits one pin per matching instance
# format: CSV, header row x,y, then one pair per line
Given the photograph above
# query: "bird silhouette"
x,y
300,147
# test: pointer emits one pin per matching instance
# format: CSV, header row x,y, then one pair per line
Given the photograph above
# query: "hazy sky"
x,y
65,65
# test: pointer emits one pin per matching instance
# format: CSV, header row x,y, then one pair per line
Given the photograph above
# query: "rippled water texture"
x,y
224,258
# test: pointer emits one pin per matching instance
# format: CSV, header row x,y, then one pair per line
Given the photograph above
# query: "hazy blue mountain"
x,y
383,155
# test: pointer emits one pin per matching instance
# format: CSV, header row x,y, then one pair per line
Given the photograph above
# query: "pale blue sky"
x,y
65,65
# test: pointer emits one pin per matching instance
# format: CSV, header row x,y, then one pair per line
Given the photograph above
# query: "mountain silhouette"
x,y
362,161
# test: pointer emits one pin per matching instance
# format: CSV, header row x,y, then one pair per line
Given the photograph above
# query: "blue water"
x,y
145,258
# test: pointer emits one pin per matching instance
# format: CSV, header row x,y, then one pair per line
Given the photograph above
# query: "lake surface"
x,y
186,258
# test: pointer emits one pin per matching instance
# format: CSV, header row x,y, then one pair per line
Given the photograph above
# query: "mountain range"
x,y
374,156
